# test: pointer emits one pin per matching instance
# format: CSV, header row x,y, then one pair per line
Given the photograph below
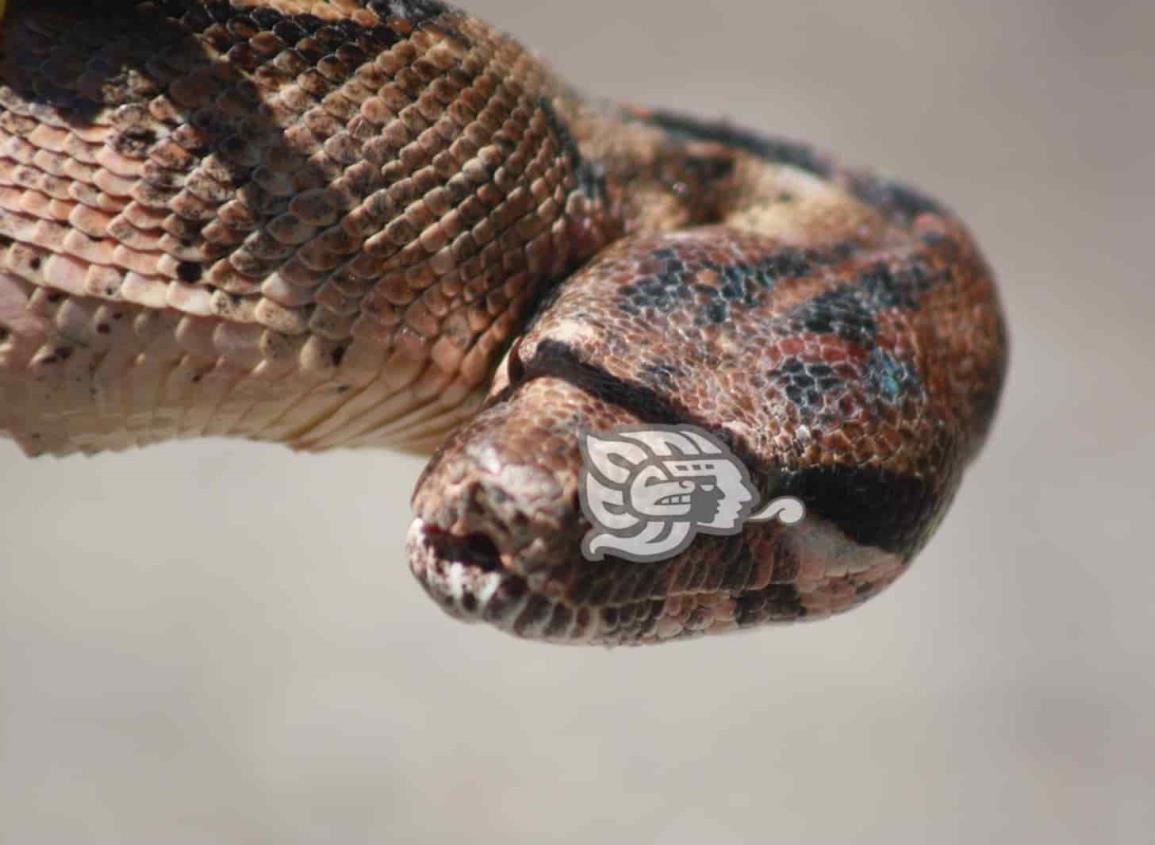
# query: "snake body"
x,y
384,223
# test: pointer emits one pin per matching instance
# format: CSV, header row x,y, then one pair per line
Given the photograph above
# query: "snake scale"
x,y
355,223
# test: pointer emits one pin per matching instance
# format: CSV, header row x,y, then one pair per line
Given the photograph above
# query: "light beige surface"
x,y
220,643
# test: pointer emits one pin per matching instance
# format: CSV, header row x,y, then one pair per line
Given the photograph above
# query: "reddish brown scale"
x,y
325,222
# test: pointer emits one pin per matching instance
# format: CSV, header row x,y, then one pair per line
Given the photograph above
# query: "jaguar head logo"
x,y
648,492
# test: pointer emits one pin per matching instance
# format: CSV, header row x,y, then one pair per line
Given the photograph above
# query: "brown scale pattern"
x,y
325,222
338,222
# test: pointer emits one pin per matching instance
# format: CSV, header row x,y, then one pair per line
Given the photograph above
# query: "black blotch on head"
x,y
871,506
677,285
556,359
838,312
808,384
815,387
850,311
337,355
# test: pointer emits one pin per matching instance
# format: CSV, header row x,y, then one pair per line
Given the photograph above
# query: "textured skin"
x,y
329,223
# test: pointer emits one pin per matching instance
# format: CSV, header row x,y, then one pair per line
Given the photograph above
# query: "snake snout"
x,y
488,532
496,514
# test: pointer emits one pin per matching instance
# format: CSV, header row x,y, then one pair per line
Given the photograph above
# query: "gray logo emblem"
x,y
649,491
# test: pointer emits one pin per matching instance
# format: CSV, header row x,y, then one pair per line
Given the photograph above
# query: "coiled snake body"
x,y
382,223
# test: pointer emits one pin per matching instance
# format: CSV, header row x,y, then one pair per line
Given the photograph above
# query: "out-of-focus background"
x,y
220,643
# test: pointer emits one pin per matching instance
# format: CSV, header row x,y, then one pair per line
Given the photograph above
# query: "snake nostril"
x,y
482,552
476,549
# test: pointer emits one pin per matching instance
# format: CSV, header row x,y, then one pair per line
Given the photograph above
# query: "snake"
x,y
385,223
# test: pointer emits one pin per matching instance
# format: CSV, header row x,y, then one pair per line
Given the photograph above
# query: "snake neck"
x,y
321,227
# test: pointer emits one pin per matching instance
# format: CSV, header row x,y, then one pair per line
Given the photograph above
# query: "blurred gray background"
x,y
220,643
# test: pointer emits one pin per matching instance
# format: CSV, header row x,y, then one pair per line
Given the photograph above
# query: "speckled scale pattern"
x,y
354,202
381,222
